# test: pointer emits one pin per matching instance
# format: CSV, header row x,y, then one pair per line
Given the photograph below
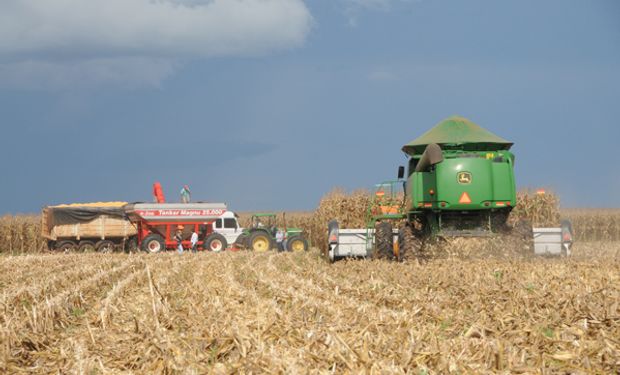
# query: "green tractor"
x,y
459,182
264,234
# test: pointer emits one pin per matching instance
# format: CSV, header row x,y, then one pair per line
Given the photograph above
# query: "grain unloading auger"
x,y
460,183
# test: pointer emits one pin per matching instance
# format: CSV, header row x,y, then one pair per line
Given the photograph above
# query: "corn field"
x,y
21,234
273,312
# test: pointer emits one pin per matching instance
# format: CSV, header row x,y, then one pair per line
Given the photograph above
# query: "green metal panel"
x,y
485,177
479,188
457,133
420,184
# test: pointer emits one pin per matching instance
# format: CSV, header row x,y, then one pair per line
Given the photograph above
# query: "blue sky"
x,y
269,104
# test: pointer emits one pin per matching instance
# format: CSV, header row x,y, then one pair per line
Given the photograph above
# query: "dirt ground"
x,y
281,312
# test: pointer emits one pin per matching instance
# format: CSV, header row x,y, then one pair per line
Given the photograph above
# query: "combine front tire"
x,y
384,241
297,244
260,242
215,242
153,243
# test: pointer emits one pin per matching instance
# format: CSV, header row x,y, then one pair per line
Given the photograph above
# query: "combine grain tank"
x,y
100,226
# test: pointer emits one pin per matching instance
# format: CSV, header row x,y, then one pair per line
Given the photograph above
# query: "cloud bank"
x,y
114,38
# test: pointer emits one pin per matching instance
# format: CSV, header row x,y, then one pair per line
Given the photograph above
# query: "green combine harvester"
x,y
459,182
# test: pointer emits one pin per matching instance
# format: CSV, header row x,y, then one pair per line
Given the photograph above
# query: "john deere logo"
x,y
464,177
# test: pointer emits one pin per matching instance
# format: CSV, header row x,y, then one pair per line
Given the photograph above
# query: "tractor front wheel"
x,y
260,242
297,244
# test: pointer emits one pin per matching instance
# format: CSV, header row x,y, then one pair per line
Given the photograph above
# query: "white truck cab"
x,y
228,226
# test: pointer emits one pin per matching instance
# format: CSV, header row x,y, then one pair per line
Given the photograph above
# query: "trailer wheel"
x,y
384,241
105,246
297,244
409,245
260,242
153,243
215,242
66,246
86,247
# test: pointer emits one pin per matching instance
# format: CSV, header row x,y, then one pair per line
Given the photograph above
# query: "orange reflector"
x,y
507,203
333,238
380,193
465,199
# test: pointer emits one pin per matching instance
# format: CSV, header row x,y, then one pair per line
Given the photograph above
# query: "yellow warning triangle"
x,y
465,199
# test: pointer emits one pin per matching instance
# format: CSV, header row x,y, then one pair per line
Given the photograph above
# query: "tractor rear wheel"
x,y
384,241
260,242
297,244
409,245
215,242
153,243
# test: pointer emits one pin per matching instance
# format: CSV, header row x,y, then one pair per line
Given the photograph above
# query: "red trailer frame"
x,y
163,219
144,229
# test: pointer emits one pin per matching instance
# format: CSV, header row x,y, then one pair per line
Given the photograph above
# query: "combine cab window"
x,y
230,223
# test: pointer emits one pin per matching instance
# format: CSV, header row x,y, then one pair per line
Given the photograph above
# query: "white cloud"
x,y
113,37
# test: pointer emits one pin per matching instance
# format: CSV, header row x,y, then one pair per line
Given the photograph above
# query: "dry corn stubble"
x,y
278,312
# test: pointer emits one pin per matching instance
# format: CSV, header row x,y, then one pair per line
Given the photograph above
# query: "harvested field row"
x,y
283,312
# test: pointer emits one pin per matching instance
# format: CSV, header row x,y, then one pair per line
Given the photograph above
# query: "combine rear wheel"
x,y
384,241
409,245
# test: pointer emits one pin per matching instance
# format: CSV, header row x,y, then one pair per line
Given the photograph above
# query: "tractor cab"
x,y
265,222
